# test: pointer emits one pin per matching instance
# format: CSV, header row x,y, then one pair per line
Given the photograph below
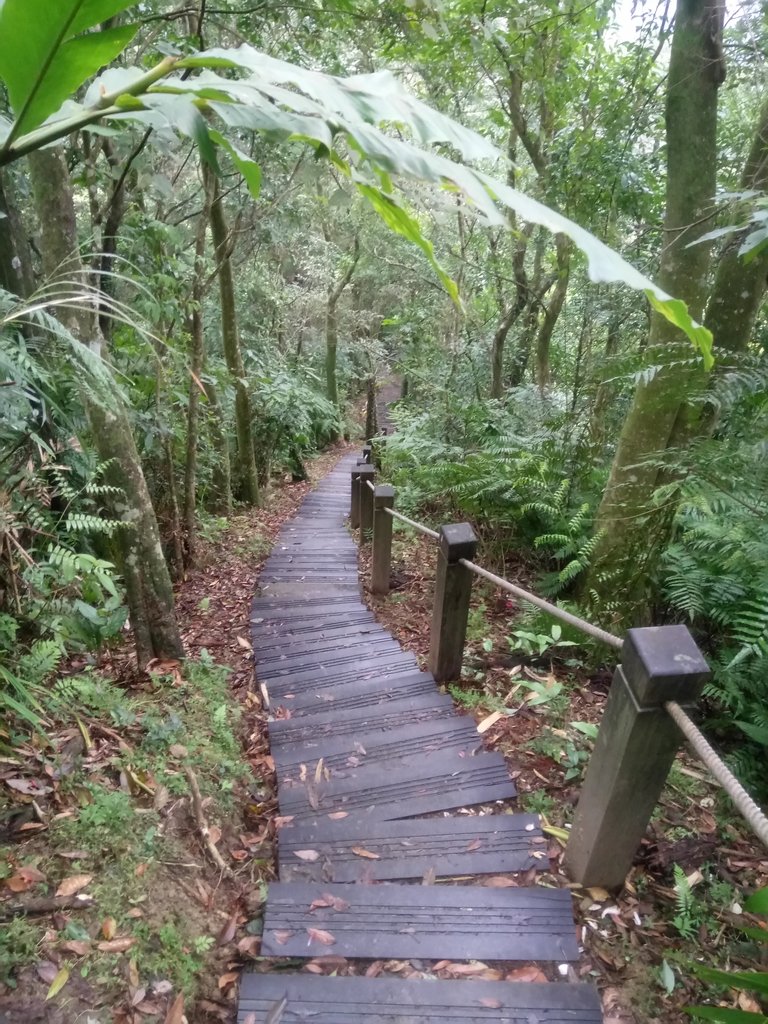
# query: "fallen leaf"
x,y
281,937
360,852
490,721
138,996
329,900
108,928
283,819
310,855
77,946
46,971
176,1012
73,884
227,933
528,973
245,644
238,855
319,935
214,834
492,1004
598,894
116,945
228,979
58,983
338,815
474,845
24,879
135,912
74,854
499,882
178,750
250,945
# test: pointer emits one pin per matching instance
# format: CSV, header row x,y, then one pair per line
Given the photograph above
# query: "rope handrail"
x,y
369,485
412,522
740,797
552,609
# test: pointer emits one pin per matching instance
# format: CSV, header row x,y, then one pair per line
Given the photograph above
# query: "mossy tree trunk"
x,y
247,477
148,583
632,530
16,274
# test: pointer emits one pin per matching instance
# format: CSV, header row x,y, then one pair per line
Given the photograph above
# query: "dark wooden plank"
x,y
389,665
355,1000
318,590
408,788
285,732
284,633
327,651
365,747
263,606
366,695
362,658
491,844
425,921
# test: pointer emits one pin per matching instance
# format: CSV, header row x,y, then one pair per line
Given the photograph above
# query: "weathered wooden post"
x,y
453,586
354,507
381,566
367,475
634,750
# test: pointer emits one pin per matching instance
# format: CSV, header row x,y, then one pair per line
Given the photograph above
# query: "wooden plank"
x,y
285,732
327,651
356,1000
361,659
392,664
284,633
424,921
408,788
365,747
493,844
367,695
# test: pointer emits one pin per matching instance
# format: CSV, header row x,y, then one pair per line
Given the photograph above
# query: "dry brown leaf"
x,y
321,936
490,721
108,928
138,996
116,945
176,1012
338,815
492,1004
499,882
327,899
310,855
227,932
73,884
474,845
360,852
283,819
24,879
527,973
77,946
250,945
30,787
228,979
245,644
46,971
281,937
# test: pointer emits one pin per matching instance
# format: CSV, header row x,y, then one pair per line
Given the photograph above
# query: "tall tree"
x,y
148,584
630,527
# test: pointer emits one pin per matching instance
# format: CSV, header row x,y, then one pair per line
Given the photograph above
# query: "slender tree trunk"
x,y
552,314
632,534
247,487
16,274
332,327
148,584
221,480
196,362
371,419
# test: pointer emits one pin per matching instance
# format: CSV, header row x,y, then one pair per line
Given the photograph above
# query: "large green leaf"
x,y
44,57
752,981
726,1015
758,902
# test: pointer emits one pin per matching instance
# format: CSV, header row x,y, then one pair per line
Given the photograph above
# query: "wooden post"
x,y
453,585
634,751
381,567
354,506
367,473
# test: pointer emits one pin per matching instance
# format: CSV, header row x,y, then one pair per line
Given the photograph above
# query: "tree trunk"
x,y
553,312
332,327
739,287
148,584
371,419
247,482
221,481
196,361
16,274
622,569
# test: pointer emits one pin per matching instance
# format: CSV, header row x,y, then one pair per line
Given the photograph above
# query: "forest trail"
x,y
369,758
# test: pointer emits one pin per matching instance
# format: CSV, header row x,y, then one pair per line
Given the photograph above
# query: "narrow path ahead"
x,y
365,745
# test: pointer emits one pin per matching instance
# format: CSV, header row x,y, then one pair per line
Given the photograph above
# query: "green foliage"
x,y
18,945
749,981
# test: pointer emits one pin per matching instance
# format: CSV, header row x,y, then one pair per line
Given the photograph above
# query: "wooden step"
x,y
407,788
490,844
426,921
312,999
366,695
348,671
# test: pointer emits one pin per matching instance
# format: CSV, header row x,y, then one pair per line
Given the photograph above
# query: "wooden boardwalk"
x,y
366,747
